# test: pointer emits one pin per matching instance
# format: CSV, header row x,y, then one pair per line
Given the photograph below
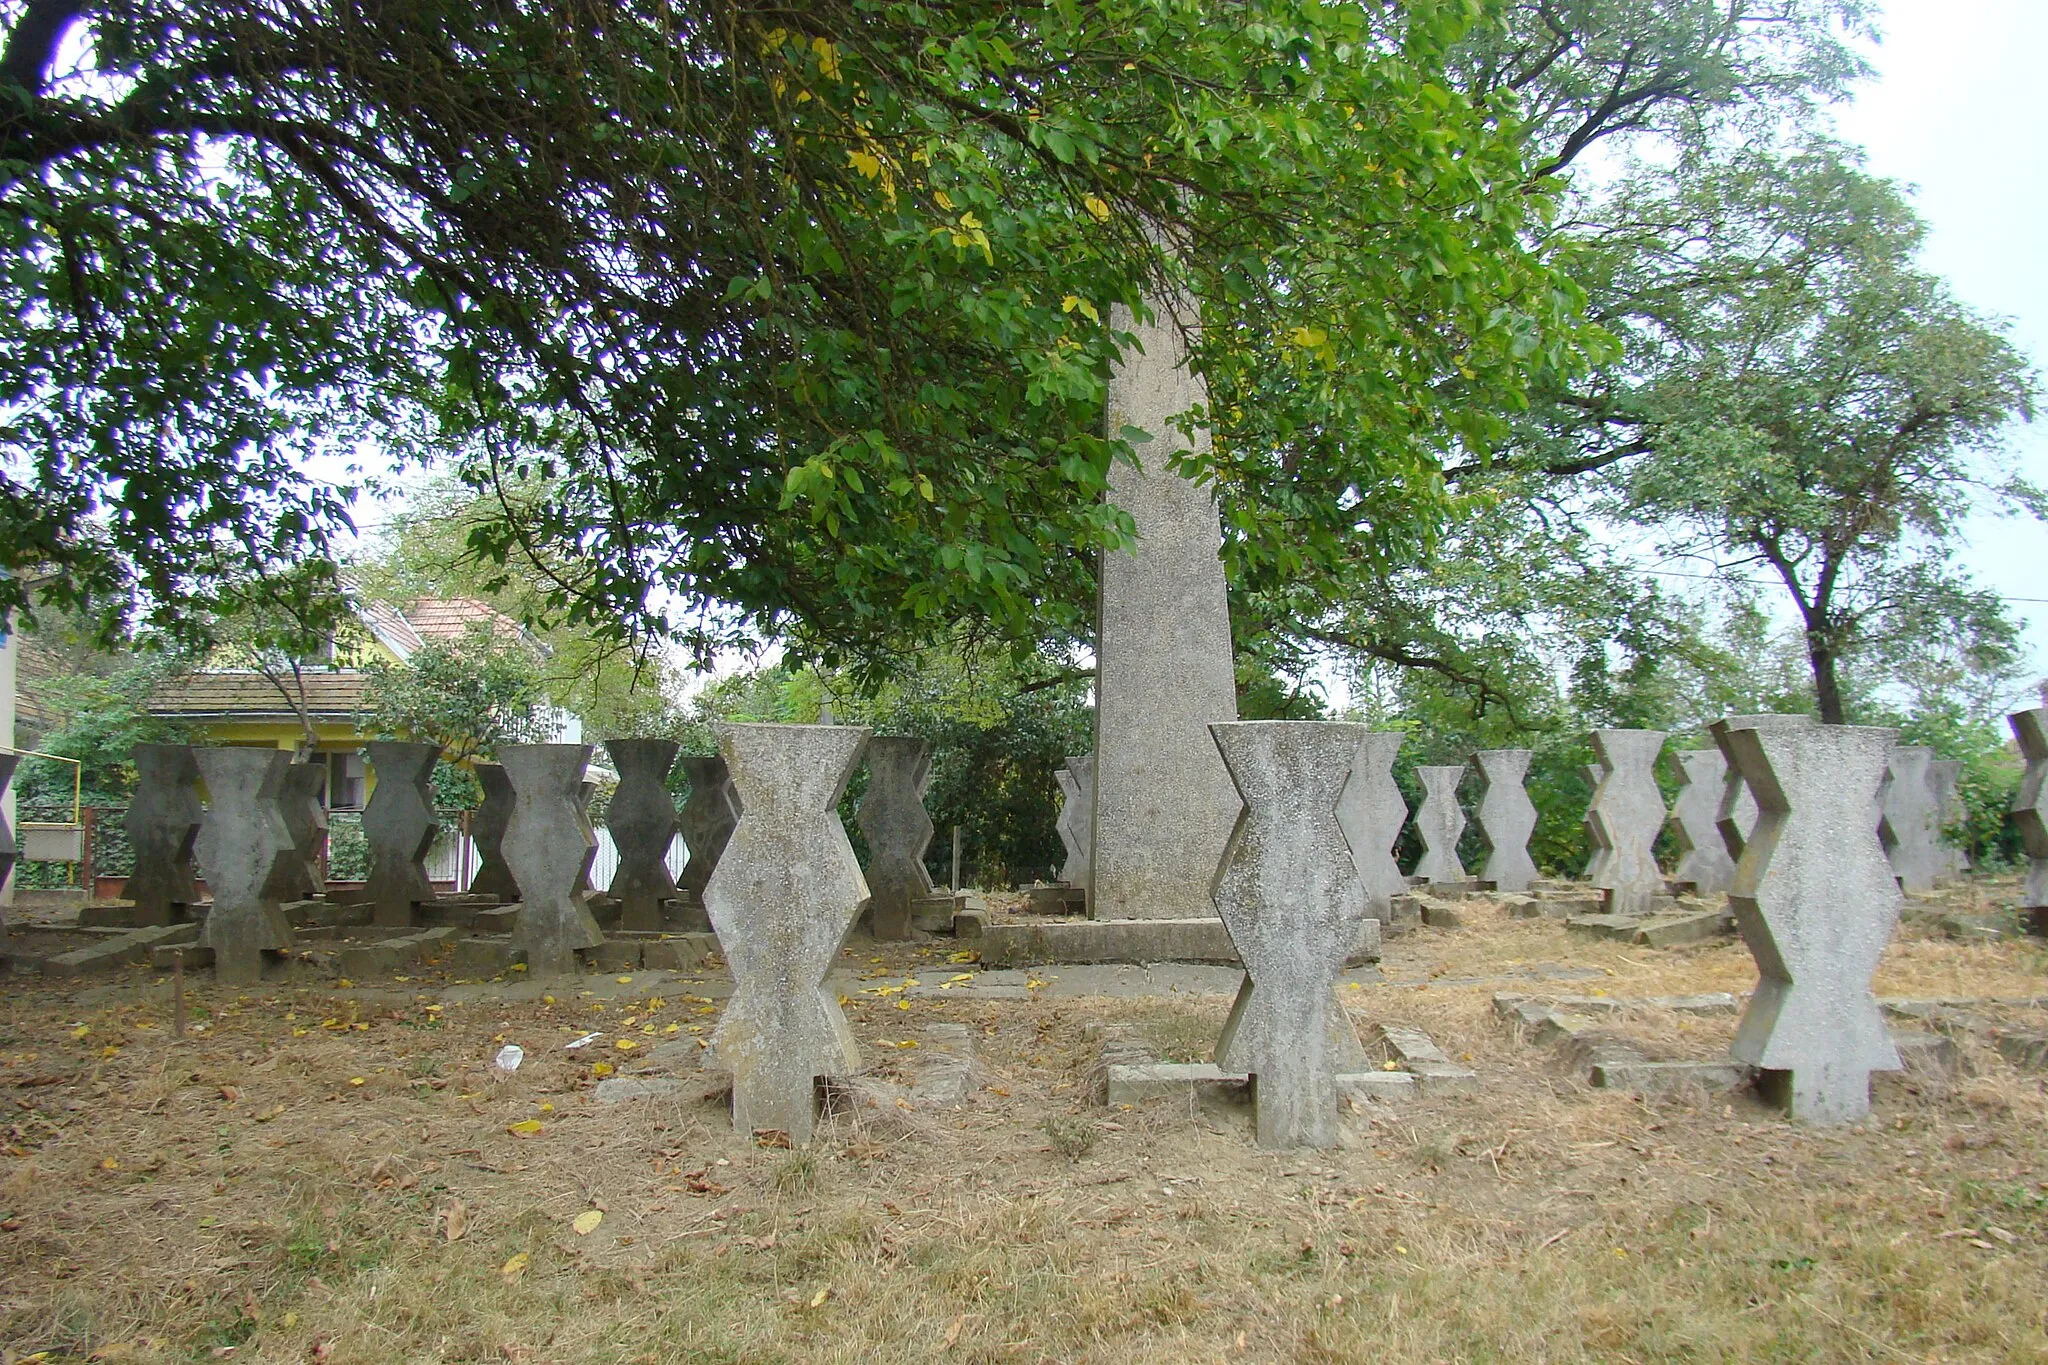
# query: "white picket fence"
x,y
453,859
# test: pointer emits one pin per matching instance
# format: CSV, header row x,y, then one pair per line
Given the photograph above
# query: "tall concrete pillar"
x,y
1440,820
246,855
1507,817
1293,905
1077,818
1164,804
1626,815
1816,903
643,823
1735,818
1371,812
1703,860
549,845
782,898
163,820
487,831
2030,813
399,827
1907,821
893,819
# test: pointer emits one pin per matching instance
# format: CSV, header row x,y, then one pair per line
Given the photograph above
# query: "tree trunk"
x,y
1826,690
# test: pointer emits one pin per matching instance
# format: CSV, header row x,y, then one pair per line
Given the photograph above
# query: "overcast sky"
x,y
1955,113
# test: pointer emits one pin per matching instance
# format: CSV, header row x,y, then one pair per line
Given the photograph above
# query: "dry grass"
x,y
165,1200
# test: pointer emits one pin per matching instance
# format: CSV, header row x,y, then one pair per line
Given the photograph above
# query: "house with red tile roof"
x,y
270,708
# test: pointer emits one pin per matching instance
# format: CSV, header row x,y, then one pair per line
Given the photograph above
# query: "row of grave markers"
x,y
1710,819
1813,893
259,843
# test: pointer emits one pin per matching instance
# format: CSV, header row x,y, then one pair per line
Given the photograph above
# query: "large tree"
x,y
799,312
1810,403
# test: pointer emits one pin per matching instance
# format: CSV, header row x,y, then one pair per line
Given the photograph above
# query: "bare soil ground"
x,y
337,1175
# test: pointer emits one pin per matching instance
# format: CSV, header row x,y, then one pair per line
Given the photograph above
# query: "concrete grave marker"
x,y
1626,815
1735,816
163,820
1507,817
1945,776
2030,812
1703,859
487,832
1164,805
643,822
9,850
245,852
305,815
1597,851
1293,904
549,844
1077,818
398,825
1816,903
1440,821
709,814
1907,819
898,830
782,898
1371,812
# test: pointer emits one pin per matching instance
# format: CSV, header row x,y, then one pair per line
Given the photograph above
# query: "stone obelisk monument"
x,y
1164,802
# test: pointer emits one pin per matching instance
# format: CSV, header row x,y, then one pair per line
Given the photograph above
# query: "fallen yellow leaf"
x,y
524,1128
818,1299
625,1044
586,1222
515,1267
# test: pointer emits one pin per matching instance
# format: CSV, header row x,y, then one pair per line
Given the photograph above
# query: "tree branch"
x,y
32,46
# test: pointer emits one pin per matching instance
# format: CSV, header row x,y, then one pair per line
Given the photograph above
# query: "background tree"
x,y
469,695
620,688
1813,403
798,315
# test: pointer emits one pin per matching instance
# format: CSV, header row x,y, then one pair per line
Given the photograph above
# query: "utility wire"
x,y
1768,583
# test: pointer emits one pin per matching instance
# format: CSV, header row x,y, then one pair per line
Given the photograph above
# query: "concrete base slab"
x,y
1419,1055
1133,941
129,948
624,1089
1971,928
484,957
934,914
1676,930
1440,914
614,955
499,919
1057,900
681,953
164,957
1928,1054
1201,1080
2027,1051
391,955
1662,1078
1621,927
